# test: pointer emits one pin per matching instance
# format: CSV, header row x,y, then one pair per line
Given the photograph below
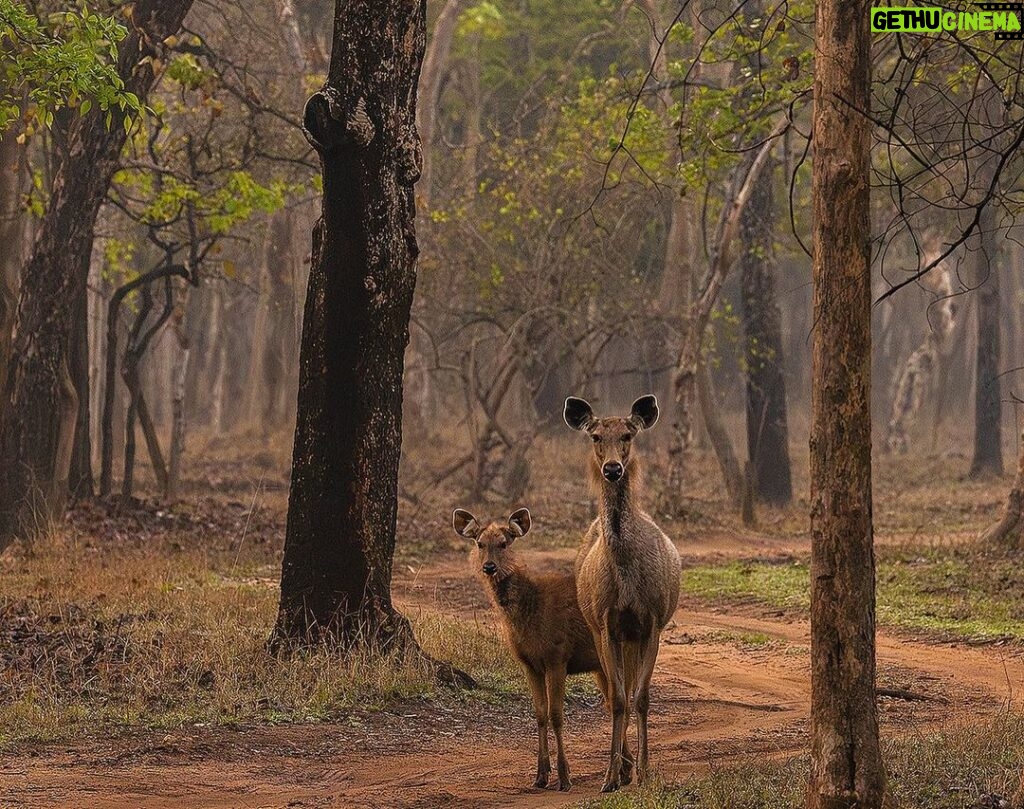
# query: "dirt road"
x,y
729,684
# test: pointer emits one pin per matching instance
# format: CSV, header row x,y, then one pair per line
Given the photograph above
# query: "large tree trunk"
x,y
342,509
988,407
846,760
767,431
33,468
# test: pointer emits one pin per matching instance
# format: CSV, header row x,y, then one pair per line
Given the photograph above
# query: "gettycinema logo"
x,y
1003,19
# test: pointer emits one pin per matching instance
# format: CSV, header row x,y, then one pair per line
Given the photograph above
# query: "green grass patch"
x,y
959,592
953,769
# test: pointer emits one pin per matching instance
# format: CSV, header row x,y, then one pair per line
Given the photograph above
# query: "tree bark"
x,y
767,429
846,761
179,375
80,482
12,232
219,337
32,433
342,509
988,406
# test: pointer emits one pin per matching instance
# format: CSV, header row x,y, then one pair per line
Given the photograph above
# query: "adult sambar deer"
x,y
627,576
542,623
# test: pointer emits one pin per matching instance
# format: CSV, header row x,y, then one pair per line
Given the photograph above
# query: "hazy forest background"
x,y
614,198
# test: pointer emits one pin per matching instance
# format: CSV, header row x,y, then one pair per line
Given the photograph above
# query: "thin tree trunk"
x,y
846,759
675,292
165,272
472,118
137,409
767,430
988,406
219,342
32,430
179,375
434,65
342,509
12,233
137,344
925,369
80,483
719,437
278,346
684,380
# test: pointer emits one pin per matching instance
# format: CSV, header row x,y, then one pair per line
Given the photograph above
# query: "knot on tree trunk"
x,y
327,122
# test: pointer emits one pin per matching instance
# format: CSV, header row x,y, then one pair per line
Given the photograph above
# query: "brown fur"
x,y
627,578
542,623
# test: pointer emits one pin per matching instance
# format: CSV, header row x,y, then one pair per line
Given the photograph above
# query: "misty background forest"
x,y
285,282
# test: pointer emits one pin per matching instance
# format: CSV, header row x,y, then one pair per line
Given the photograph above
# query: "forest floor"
x,y
88,719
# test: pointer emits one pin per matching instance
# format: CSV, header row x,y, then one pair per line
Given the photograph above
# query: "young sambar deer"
x,y
542,623
627,576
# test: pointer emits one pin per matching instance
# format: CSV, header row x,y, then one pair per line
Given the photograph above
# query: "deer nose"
x,y
612,470
490,568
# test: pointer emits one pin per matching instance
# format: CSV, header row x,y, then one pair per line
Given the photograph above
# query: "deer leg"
x,y
649,655
627,757
629,682
627,769
540,707
602,686
556,712
612,660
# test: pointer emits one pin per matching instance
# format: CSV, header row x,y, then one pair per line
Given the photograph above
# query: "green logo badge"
x,y
1002,19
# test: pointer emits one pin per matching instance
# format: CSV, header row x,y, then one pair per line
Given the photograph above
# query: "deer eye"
x,y
504,544
627,438
596,439
480,544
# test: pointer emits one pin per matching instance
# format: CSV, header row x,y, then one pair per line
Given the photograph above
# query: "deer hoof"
x,y
626,772
541,781
610,786
564,784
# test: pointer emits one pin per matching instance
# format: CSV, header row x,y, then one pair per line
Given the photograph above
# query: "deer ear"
x,y
644,412
578,413
520,521
464,523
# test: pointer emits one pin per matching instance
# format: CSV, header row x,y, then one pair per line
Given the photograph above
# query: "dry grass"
x,y
158,618
93,641
969,764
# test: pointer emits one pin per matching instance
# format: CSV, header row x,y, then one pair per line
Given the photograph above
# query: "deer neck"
x,y
512,591
617,507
